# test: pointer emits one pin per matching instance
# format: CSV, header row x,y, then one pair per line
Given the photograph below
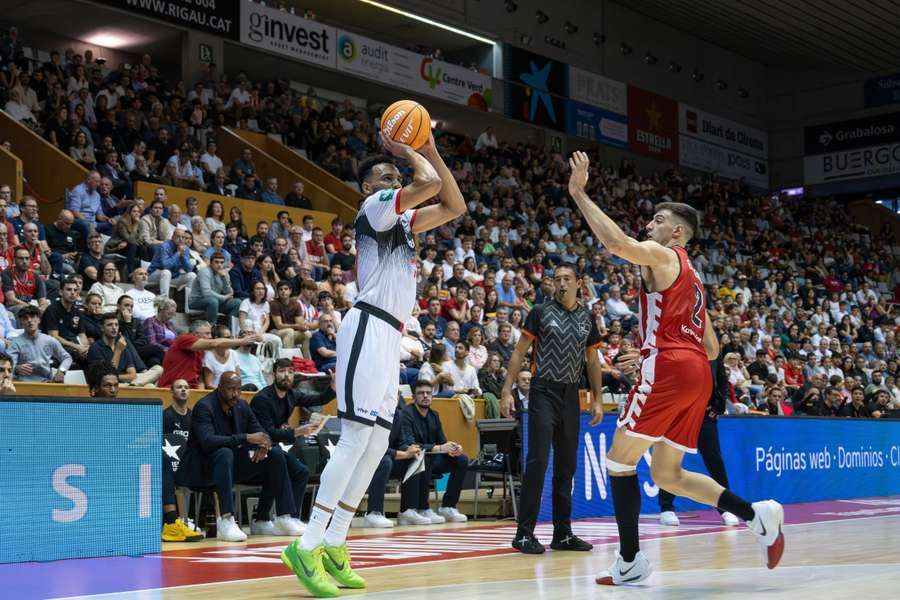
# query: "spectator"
x,y
421,426
617,309
270,195
323,345
63,242
215,213
281,226
243,274
127,237
433,371
219,360
334,286
212,291
62,321
34,354
465,377
249,189
159,330
7,387
252,378
315,250
255,315
486,140
210,161
287,320
478,353
333,239
143,299
21,287
106,286
296,199
171,264
856,408
84,202
224,435
345,257
268,275
184,358
112,349
503,345
154,229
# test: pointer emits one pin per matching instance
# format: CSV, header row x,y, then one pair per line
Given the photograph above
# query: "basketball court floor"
x,y
834,549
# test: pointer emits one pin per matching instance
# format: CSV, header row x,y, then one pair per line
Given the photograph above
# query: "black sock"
x,y
170,517
736,505
626,496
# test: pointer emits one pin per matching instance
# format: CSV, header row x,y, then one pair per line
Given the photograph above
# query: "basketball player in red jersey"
x,y
666,406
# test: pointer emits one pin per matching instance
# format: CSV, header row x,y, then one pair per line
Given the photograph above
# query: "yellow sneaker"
x,y
179,532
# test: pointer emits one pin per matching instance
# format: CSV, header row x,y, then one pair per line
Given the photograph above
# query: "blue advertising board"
x,y
793,459
596,124
79,478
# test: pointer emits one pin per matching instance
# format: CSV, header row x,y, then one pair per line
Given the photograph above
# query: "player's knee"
x,y
665,476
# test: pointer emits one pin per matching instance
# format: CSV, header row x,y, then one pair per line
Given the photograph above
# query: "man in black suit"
x,y
226,445
273,406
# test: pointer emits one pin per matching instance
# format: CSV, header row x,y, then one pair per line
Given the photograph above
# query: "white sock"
x,y
315,529
336,534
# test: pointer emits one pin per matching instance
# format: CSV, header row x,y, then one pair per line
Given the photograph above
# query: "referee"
x,y
565,337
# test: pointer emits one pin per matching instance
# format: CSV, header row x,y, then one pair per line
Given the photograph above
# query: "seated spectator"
x,y
880,404
84,202
856,408
7,387
252,378
148,355
126,237
773,400
394,465
215,213
154,228
159,329
171,264
491,377
433,371
617,309
315,250
217,244
465,377
287,320
224,434
35,354
201,237
106,286
281,262
21,287
212,291
234,242
268,275
112,349
273,405
345,256
478,352
219,360
184,358
143,298
217,184
93,310
249,189
327,307
434,317
39,254
503,345
243,166
243,274
421,426
270,195
296,199
323,345
309,309
63,321
91,264
255,314
64,243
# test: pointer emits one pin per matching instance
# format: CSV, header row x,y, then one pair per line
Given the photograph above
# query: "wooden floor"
x,y
855,558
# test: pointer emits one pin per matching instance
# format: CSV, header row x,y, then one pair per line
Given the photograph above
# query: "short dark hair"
x,y
283,363
4,357
216,255
422,383
685,213
285,283
107,317
365,167
97,370
568,266
248,252
858,387
29,311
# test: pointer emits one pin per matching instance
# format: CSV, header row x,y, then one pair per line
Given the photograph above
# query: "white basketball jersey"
x,y
386,254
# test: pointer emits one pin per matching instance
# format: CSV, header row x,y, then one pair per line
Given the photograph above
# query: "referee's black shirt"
x,y
559,340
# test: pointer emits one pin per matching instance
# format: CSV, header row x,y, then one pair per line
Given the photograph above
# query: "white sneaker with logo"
x,y
452,515
432,516
228,531
669,518
767,525
288,526
377,520
622,572
262,528
411,517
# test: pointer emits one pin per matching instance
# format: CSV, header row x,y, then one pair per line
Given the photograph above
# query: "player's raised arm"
x,y
608,233
452,203
426,183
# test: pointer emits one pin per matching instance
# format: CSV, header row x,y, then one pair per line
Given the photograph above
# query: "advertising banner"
x,y
652,124
79,478
728,163
847,135
536,88
880,91
283,33
713,129
790,459
592,123
597,90
859,163
451,82
215,16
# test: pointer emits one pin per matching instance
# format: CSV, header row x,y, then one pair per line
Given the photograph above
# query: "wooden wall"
x,y
11,173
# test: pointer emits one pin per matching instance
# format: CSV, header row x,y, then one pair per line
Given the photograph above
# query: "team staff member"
x,y
565,337
272,406
707,445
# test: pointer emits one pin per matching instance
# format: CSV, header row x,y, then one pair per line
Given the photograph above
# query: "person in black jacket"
x,y
273,406
707,445
227,445
421,426
149,354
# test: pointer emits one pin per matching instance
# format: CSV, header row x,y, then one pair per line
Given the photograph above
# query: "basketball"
x,y
406,122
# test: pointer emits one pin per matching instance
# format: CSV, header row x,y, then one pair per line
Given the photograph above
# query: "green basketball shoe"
x,y
336,560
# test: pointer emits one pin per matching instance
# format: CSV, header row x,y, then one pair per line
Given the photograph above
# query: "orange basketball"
x,y
406,122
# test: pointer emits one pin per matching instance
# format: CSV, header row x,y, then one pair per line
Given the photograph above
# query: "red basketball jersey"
x,y
675,318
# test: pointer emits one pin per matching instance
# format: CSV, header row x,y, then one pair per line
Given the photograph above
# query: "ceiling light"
x,y
625,49
541,17
721,85
674,67
428,21
650,59
525,39
548,39
697,76
571,28
743,93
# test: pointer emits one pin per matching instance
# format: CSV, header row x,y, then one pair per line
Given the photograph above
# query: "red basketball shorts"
x,y
669,400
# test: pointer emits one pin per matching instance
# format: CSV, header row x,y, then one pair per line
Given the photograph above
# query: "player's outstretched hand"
x,y
580,164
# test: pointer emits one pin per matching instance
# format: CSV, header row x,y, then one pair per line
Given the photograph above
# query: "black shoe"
x,y
526,543
571,542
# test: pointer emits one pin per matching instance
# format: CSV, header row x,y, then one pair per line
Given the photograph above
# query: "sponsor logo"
x,y
346,49
430,73
389,126
284,34
691,333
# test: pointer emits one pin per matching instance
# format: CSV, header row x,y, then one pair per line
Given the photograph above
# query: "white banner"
x,y
858,163
451,82
372,59
722,132
287,34
597,90
730,164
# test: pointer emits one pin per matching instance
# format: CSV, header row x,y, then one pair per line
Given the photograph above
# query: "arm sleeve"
x,y
64,358
382,209
304,400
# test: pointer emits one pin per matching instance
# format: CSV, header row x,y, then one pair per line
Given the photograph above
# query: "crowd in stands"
x,y
803,301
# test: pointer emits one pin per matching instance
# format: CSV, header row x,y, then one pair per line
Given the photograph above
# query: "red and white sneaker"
x,y
767,525
622,572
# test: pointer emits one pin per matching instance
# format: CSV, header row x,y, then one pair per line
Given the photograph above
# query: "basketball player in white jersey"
x,y
368,350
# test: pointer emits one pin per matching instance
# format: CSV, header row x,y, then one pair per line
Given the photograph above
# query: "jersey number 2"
x,y
698,306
